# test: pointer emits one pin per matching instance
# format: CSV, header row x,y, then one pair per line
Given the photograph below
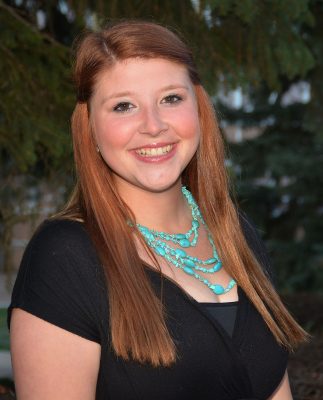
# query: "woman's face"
x,y
145,120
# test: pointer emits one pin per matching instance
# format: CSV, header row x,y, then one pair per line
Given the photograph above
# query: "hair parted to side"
x,y
137,318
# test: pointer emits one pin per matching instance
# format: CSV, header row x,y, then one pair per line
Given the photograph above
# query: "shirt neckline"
x,y
220,304
184,292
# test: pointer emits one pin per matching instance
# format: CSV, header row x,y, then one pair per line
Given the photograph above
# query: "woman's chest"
x,y
207,366
210,364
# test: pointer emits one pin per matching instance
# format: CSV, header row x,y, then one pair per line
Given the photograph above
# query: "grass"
x,y
4,334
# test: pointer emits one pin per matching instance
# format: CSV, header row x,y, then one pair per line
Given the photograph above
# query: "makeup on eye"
x,y
126,106
123,106
172,98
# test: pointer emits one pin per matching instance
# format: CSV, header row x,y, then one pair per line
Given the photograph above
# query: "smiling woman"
x,y
150,284
146,133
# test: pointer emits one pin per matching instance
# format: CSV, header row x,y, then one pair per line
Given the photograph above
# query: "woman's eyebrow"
x,y
129,93
116,95
174,86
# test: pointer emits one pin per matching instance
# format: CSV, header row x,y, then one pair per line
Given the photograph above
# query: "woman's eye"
x,y
172,98
123,107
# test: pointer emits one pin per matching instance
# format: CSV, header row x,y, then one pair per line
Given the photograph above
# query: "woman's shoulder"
x,y
61,237
61,247
58,230
60,278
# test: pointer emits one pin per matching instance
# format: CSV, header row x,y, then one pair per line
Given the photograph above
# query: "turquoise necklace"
x,y
178,257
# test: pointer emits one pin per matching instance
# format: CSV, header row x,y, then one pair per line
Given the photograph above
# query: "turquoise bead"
x,y
211,261
217,266
217,289
147,233
185,243
189,263
180,253
188,270
160,251
180,236
149,236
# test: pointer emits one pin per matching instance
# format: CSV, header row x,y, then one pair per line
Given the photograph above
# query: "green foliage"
x,y
246,11
36,98
264,38
281,188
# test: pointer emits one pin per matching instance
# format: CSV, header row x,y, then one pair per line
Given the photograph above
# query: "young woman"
x,y
150,284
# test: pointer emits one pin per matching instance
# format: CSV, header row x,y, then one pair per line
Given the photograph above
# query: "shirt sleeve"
x,y
58,280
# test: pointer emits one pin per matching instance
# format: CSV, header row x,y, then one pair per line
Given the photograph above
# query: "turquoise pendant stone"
x,y
185,243
180,253
217,289
160,251
189,263
188,270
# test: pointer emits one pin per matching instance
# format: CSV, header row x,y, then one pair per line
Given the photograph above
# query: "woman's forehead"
x,y
139,73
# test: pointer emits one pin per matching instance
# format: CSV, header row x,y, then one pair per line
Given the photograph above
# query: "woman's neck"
x,y
163,211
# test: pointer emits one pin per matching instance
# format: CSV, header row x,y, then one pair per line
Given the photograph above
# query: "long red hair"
x,y
137,318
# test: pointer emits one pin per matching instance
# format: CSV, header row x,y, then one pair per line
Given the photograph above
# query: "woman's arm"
x,y
283,391
51,363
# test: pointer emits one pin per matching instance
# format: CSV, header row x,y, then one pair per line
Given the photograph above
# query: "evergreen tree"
x,y
280,179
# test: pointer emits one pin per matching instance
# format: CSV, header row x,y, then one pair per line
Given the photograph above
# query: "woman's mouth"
x,y
155,151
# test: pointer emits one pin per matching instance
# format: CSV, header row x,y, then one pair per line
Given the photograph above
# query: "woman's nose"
x,y
152,122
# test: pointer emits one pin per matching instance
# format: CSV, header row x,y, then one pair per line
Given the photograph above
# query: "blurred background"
x,y
262,64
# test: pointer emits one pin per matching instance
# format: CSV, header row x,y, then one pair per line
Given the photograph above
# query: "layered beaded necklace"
x,y
177,256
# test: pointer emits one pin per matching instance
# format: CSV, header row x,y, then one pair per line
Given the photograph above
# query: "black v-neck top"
x,y
61,281
224,313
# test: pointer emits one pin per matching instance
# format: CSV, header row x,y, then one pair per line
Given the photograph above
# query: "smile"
x,y
156,151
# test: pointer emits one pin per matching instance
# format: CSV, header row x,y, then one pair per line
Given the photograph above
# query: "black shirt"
x,y
61,281
224,313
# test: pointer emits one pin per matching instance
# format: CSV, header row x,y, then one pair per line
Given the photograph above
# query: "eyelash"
x,y
172,98
123,107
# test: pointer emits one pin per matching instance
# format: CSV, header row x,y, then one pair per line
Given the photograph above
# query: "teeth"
x,y
156,151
